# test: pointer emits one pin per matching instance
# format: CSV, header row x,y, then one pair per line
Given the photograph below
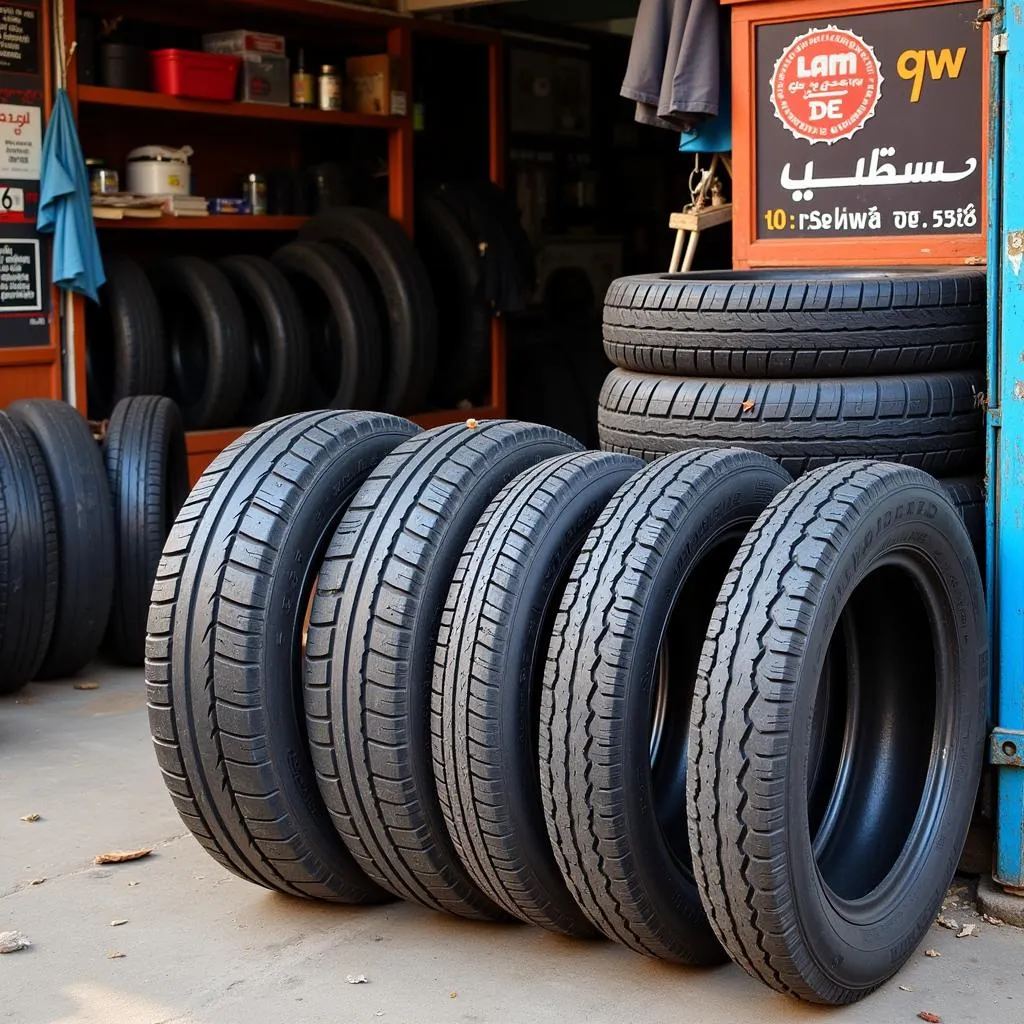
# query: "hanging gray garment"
x,y
675,63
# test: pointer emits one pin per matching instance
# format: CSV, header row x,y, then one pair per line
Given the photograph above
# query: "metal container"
x,y
103,180
254,189
329,84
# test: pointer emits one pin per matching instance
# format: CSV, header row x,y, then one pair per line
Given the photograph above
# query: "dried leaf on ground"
x,y
992,920
748,406
12,942
453,995
36,881
357,979
932,1018
31,817
118,921
132,883
906,988
947,922
932,952
967,931
116,955
122,856
87,686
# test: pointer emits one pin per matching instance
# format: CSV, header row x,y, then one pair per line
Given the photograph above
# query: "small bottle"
x,y
330,88
303,85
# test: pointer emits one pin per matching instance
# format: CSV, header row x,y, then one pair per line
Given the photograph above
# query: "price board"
x,y
865,137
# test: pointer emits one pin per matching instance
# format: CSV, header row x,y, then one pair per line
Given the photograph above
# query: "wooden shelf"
x,y
98,95
229,222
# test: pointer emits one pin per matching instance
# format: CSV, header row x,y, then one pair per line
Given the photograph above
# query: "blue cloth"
x,y
715,134
65,206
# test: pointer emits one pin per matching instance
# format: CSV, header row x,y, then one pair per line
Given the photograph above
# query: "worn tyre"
x,y
127,351
344,333
277,333
147,471
402,294
932,421
797,323
207,341
28,556
85,532
967,494
487,676
225,648
615,704
838,730
372,634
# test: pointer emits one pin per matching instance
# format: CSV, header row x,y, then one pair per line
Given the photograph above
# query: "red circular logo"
x,y
826,85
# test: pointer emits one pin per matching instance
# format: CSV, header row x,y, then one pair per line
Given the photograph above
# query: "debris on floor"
x,y
13,942
122,856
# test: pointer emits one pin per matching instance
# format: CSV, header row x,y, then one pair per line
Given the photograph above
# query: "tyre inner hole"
x,y
872,734
324,339
672,692
259,342
186,335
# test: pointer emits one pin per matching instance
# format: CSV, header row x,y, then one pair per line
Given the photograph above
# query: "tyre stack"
x,y
808,367
692,706
81,531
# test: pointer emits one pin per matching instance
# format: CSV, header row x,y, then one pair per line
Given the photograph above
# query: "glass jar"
x,y
329,88
254,189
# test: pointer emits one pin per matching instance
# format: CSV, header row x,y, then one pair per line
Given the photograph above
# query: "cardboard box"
x,y
241,41
374,86
265,79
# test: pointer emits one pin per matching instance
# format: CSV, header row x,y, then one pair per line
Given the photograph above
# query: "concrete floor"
x,y
203,947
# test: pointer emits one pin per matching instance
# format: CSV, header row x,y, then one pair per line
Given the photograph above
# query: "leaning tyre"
x,y
344,335
127,352
372,634
401,289
278,347
147,470
225,646
932,421
28,556
797,323
968,497
206,340
487,675
85,532
838,730
615,704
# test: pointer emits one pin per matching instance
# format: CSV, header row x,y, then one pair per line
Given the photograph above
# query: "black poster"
x,y
19,38
871,125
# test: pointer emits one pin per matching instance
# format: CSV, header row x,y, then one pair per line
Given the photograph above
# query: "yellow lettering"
x,y
911,67
944,63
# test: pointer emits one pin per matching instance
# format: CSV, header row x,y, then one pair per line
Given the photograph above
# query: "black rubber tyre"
x,y
968,496
932,421
344,335
278,339
615,704
207,341
85,532
487,676
370,654
224,650
147,470
28,556
401,290
838,730
797,323
126,352
463,314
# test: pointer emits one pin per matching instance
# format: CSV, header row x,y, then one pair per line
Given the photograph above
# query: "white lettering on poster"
x,y
21,142
19,276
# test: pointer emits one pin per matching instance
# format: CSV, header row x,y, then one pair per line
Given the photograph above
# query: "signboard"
x,y
19,38
870,125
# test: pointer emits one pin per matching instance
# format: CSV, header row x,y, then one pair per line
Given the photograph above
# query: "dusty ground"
x,y
203,947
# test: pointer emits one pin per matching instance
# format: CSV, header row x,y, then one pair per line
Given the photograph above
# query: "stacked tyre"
x,y
693,706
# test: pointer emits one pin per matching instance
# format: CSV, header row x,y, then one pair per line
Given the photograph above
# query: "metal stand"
x,y
698,216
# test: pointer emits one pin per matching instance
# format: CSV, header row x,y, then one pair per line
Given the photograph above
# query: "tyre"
x,y
797,323
372,634
838,730
206,339
277,332
402,294
463,314
28,556
126,352
967,494
615,702
225,647
85,532
932,421
344,336
147,471
487,675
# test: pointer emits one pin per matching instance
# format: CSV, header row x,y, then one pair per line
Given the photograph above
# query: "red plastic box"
x,y
197,75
